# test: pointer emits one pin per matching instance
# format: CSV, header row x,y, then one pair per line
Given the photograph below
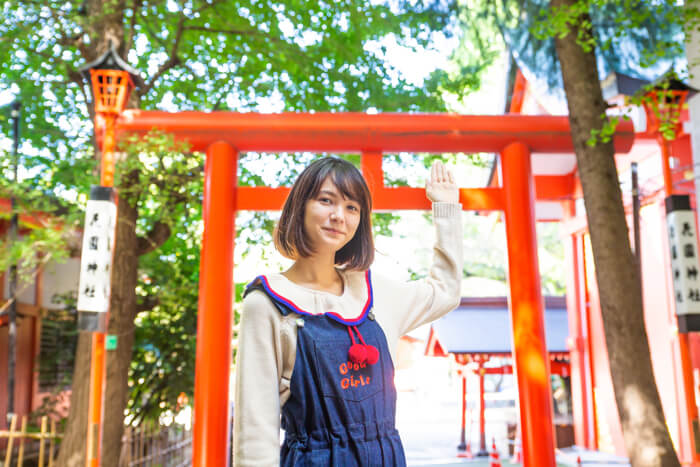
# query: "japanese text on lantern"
x,y
96,258
680,220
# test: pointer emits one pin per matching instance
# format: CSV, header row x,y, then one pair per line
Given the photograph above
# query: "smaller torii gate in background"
x,y
223,135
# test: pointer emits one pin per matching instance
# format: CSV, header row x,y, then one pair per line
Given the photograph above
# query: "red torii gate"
x,y
224,134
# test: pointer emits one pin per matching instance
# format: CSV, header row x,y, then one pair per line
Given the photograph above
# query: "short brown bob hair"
x,y
290,238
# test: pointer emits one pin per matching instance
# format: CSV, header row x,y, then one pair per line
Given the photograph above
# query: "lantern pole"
x,y
111,80
110,88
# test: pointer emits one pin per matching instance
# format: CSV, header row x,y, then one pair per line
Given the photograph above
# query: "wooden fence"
x,y
146,446
156,446
27,441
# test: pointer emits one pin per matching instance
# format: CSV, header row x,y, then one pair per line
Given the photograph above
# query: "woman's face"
x,y
330,219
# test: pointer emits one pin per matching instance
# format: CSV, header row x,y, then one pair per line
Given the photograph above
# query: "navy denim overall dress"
x,y
339,413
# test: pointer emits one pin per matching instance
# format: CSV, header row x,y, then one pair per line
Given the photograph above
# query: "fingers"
x,y
439,173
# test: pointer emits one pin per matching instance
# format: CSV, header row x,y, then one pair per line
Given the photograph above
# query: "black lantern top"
x,y
110,60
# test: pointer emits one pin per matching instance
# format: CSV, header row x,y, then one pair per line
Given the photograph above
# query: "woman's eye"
x,y
353,208
325,200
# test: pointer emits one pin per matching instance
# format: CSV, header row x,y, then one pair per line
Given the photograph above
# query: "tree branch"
x,y
142,410
75,40
173,59
207,5
72,73
129,39
154,36
171,62
147,304
161,230
221,97
240,32
155,238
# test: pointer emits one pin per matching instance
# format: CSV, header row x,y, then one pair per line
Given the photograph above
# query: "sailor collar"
x,y
350,308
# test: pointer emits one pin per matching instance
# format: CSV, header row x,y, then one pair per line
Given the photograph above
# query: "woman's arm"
x,y
257,396
406,305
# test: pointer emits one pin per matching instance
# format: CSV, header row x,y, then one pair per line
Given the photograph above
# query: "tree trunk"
x,y
646,436
121,324
73,445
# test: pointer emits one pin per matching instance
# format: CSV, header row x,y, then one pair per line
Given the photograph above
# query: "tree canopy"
x,y
637,38
294,55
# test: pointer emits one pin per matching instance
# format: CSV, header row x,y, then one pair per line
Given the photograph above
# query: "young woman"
x,y
317,342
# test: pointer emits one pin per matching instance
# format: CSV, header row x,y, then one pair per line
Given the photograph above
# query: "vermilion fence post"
x,y
482,409
576,303
213,360
95,400
526,307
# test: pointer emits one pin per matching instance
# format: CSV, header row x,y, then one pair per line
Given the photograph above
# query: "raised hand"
x,y
441,186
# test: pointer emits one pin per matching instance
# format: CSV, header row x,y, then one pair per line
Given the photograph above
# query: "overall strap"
x,y
256,284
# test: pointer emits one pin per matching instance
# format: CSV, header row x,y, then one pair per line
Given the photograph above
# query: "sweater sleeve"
x,y
259,364
409,304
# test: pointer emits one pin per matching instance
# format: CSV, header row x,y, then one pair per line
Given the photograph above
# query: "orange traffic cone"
x,y
578,461
495,458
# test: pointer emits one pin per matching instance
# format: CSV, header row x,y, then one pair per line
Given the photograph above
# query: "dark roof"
x,y
483,327
616,84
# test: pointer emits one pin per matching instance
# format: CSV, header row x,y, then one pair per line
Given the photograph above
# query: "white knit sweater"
x,y
267,340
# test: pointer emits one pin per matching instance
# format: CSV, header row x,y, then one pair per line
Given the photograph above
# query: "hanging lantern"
x,y
663,103
663,109
111,90
112,81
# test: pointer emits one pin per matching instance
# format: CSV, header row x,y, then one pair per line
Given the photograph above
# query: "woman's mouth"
x,y
332,231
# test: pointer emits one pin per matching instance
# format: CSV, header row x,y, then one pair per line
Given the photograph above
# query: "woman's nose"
x,y
337,214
